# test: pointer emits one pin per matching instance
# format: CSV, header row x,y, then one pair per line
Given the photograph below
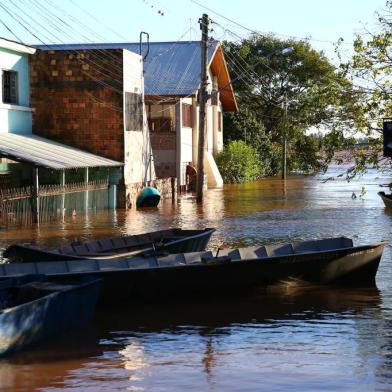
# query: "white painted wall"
x,y
210,129
16,118
139,165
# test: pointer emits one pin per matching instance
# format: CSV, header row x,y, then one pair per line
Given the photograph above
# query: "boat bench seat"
x,y
195,257
171,260
322,245
234,254
279,250
66,250
118,242
93,247
305,247
105,244
335,243
81,249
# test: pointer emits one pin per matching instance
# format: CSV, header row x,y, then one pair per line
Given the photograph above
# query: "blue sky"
x,y
116,20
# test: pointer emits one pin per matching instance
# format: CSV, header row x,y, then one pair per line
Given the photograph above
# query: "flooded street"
x,y
284,338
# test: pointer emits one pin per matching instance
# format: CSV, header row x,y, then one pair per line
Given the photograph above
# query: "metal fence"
x,y
55,202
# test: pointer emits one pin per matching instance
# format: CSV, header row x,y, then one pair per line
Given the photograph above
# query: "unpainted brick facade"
x,y
78,99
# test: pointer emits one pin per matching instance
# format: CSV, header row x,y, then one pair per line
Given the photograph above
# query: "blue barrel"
x,y
148,197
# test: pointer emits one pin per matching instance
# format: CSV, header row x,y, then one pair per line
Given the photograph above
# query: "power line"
x,y
260,33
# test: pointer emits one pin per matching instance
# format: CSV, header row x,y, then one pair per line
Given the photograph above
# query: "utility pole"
x,y
284,139
203,97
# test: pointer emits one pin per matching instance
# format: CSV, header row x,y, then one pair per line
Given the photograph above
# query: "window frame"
x,y
187,115
13,99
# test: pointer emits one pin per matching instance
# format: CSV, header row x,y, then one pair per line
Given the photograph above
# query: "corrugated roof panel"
x,y
49,154
171,68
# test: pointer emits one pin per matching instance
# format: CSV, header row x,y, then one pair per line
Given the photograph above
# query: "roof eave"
x,y
229,102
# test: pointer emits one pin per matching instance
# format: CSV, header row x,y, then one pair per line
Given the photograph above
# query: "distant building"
x,y
171,80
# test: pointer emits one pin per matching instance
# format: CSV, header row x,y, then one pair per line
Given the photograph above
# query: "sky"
x,y
323,22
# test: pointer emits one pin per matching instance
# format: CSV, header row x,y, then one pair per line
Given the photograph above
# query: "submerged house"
x,y
171,84
28,160
94,100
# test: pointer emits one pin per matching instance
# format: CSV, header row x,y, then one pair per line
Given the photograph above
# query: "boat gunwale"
x,y
281,258
74,256
46,296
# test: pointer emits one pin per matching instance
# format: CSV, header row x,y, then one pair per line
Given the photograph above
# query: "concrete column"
x,y
112,202
195,131
178,142
115,176
215,126
62,183
35,198
86,193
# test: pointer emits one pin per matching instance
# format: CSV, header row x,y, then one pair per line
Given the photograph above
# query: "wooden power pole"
x,y
203,98
284,139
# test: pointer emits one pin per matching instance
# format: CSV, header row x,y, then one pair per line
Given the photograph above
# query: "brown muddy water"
x,y
287,338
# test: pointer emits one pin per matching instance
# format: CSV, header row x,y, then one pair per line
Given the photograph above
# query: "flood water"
x,y
289,337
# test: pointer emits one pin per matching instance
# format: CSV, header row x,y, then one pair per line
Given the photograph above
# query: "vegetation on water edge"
x,y
239,163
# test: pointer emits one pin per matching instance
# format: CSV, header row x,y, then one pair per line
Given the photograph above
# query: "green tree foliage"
x,y
318,95
243,125
239,163
370,70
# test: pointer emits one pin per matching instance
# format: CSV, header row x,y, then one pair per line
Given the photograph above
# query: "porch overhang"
x,y
41,152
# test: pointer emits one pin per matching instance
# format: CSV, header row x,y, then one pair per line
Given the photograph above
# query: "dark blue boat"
x,y
148,197
32,309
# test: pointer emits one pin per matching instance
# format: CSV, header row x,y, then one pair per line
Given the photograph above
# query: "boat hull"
x,y
176,241
387,199
352,266
46,317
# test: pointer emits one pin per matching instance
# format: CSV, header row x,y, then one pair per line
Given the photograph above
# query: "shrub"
x,y
239,163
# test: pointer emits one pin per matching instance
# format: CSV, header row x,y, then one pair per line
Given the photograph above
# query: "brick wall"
x,y
165,169
163,140
164,150
78,101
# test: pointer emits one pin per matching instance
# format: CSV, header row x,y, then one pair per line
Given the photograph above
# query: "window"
x,y
10,87
161,124
187,120
161,118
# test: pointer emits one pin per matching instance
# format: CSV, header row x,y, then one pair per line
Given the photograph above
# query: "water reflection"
x,y
288,338
275,329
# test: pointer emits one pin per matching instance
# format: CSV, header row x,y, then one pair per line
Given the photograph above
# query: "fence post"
x,y
86,181
35,198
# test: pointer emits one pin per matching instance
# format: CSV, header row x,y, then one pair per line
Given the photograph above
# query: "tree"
x,y
244,126
370,71
318,94
239,163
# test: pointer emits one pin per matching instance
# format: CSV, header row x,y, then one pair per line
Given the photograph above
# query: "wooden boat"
x,y
387,199
148,197
171,240
32,309
154,277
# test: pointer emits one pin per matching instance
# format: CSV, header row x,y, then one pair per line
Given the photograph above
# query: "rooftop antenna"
x,y
140,44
